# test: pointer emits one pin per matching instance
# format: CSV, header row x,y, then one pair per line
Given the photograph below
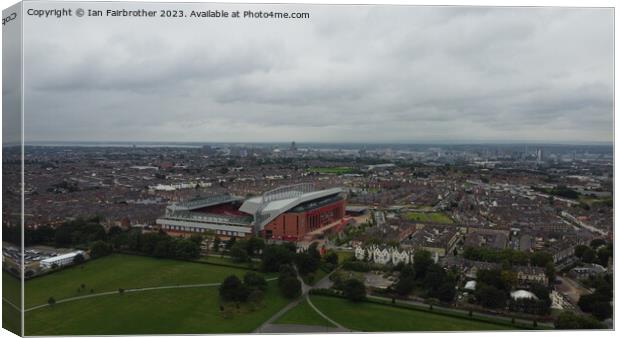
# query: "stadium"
x,y
293,213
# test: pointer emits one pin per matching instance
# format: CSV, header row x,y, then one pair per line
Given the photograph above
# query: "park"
x,y
128,294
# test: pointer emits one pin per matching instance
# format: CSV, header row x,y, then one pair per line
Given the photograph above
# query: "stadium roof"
x,y
203,202
276,202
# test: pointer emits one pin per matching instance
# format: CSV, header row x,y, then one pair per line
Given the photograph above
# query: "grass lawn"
x,y
318,275
11,289
303,314
122,271
332,170
11,319
371,317
429,217
216,259
344,255
170,311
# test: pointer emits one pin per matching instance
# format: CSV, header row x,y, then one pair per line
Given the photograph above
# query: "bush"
x,y
290,287
274,256
570,321
354,290
238,253
254,281
232,289
100,249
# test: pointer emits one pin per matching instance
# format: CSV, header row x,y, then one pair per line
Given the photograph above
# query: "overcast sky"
x,y
347,74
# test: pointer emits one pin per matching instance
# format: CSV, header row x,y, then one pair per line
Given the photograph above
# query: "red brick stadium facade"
x,y
296,223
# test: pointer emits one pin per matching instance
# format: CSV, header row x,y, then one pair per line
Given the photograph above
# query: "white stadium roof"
x,y
269,206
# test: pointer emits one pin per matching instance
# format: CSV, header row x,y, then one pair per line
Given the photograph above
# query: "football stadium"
x,y
293,213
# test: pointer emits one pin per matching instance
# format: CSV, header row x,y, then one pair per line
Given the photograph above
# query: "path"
x,y
107,293
269,327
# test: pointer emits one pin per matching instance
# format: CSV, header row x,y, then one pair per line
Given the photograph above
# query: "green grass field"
x,y
11,292
122,271
179,311
11,319
372,317
11,289
172,311
332,170
429,217
215,259
303,314
344,255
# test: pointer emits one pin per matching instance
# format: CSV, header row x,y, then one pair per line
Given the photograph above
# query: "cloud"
x,y
347,74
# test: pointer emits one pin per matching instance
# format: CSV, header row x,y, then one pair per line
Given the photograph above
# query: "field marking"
x,y
107,293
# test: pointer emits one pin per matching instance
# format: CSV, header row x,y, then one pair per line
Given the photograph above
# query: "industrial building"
x,y
286,213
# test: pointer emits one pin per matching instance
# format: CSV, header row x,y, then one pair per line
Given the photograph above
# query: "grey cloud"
x,y
350,73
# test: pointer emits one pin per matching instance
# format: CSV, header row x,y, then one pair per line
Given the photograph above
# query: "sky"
x,y
370,74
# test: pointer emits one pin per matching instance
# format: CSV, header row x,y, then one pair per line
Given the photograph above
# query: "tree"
x,y
492,277
435,276
306,263
568,320
184,248
588,256
255,297
313,251
331,258
491,297
596,243
603,254
290,287
254,281
421,261
580,250
445,292
405,285
255,245
541,258
431,302
238,253
541,292
274,256
602,310
232,289
354,290
100,249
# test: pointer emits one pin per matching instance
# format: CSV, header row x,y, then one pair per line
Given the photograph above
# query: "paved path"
x,y
11,304
107,293
269,326
338,326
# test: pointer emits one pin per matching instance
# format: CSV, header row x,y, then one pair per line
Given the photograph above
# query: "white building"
x,y
60,260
